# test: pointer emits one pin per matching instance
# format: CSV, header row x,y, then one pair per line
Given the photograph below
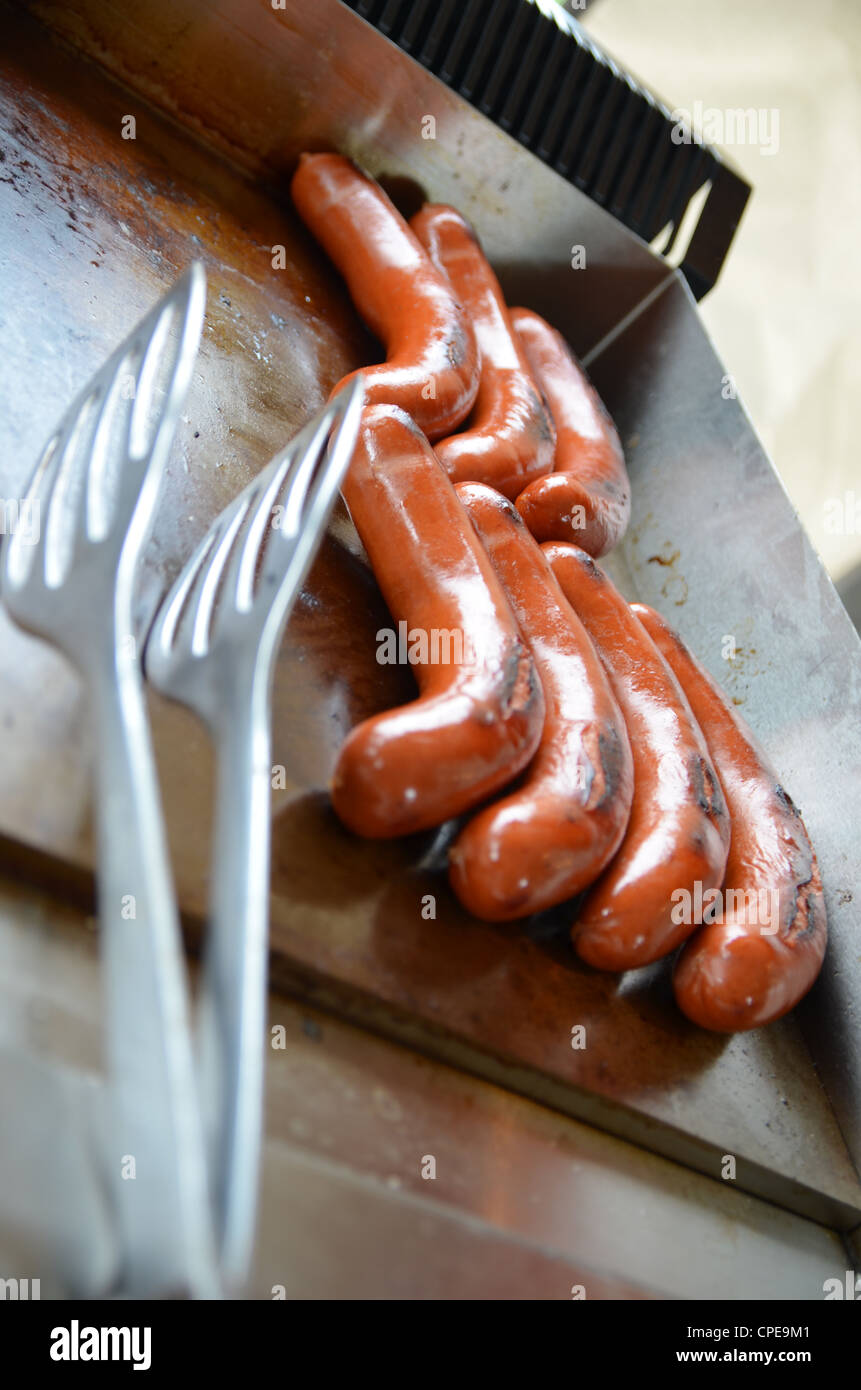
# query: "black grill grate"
x,y
544,82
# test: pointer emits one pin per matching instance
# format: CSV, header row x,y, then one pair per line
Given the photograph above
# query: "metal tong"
x,y
212,646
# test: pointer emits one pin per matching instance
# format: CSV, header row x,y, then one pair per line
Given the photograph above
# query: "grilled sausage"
x,y
554,834
764,948
432,365
509,437
587,497
678,834
479,716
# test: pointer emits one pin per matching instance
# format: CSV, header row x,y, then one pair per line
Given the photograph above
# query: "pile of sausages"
x,y
487,479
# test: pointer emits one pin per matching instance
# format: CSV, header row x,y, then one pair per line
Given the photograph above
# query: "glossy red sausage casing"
x,y
587,497
509,437
479,718
762,956
432,366
679,831
549,838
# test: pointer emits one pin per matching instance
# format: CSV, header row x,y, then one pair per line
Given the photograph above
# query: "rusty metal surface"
x,y
263,84
523,1202
91,227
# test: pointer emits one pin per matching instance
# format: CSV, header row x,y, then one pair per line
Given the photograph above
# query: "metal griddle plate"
x,y
525,1202
713,543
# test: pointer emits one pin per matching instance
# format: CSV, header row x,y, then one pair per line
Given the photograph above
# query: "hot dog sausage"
x,y
480,713
587,497
551,837
764,948
432,364
679,829
509,438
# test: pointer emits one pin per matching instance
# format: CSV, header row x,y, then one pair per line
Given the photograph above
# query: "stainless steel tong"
x,y
94,490
213,647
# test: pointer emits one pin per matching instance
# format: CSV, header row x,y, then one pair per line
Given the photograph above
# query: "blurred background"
x,y
785,312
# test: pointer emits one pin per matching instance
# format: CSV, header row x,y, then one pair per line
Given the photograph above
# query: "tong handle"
x,y
155,1152
233,1000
